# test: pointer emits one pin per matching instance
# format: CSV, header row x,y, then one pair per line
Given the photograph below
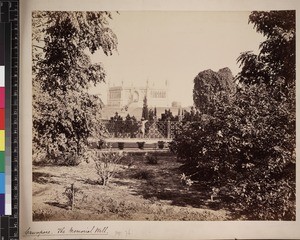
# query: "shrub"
x,y
151,158
141,145
161,144
144,175
186,180
121,145
101,144
121,126
106,164
248,148
42,215
71,192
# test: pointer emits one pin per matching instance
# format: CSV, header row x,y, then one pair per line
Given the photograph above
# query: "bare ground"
x,y
139,191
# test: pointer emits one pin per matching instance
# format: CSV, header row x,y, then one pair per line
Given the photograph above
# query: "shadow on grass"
x,y
42,178
59,205
91,181
178,196
162,182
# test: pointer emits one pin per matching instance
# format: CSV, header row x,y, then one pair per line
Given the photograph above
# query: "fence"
x,y
131,129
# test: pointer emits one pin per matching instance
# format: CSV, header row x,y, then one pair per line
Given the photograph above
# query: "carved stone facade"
x,y
121,96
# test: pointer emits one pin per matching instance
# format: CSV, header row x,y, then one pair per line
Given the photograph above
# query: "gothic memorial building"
x,y
120,96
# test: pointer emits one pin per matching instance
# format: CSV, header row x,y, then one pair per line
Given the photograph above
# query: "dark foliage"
x,y
145,113
128,125
64,113
151,158
277,55
246,146
209,86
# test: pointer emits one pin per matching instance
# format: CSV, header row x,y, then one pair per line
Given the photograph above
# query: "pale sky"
x,y
175,46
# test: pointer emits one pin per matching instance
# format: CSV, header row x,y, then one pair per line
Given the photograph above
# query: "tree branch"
x,y
38,46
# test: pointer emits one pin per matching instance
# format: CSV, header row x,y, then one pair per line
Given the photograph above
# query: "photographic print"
x,y
163,115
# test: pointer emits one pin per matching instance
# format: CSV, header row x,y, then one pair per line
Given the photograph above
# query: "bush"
x,y
144,175
121,126
247,147
141,145
106,164
161,144
71,193
151,158
121,145
186,180
101,144
61,152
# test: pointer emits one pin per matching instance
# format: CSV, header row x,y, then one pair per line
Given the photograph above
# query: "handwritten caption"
x,y
94,230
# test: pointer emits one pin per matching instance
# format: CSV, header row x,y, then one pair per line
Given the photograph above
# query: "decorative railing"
x,y
153,129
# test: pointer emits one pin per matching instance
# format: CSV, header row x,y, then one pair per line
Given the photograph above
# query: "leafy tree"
x,y
277,56
275,67
192,116
209,86
247,149
117,124
145,113
167,116
246,146
64,113
151,115
131,125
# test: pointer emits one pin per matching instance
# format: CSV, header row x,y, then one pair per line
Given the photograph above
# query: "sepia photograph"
x,y
163,115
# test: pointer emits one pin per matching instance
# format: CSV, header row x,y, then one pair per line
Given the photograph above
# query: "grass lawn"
x,y
138,191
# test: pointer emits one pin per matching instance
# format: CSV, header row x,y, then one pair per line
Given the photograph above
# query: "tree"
x,y
131,125
247,149
209,86
167,116
145,113
247,146
151,115
192,116
64,113
155,112
277,57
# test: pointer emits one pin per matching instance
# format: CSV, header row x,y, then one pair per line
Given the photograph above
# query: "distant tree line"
x,y
128,125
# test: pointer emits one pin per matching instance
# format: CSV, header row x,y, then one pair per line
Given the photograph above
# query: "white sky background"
x,y
175,46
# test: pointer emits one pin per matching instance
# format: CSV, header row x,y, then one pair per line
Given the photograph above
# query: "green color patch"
x,y
2,162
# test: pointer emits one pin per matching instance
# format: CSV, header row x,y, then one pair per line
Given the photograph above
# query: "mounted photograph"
x,y
163,115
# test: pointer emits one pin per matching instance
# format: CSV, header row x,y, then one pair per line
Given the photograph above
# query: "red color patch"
x,y
2,119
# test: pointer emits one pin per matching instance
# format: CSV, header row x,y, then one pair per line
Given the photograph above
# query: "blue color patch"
x,y
2,183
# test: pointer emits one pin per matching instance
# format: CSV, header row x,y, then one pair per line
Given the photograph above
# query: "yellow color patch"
x,y
2,140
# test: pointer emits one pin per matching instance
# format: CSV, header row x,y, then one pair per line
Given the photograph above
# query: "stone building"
x,y
132,96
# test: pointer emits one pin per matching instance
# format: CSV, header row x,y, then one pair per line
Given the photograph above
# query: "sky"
x,y
175,46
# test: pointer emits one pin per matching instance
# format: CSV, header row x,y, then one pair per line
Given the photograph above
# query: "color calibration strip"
x,y
5,145
2,136
9,61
